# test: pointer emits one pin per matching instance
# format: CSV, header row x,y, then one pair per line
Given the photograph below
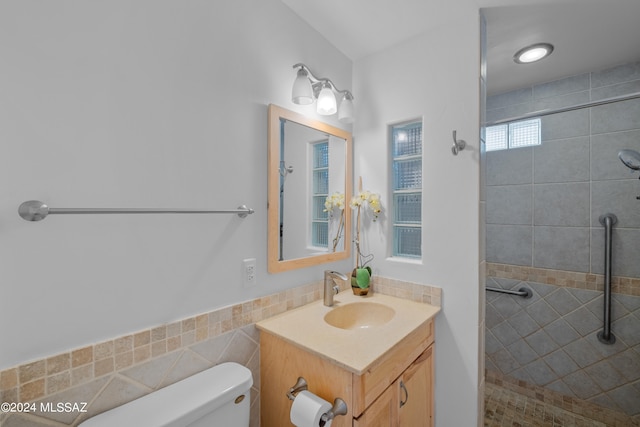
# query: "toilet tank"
x,y
218,396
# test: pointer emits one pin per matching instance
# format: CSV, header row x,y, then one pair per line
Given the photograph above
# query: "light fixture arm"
x,y
318,82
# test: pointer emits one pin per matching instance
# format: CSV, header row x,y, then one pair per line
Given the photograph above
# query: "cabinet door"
x,y
415,390
382,412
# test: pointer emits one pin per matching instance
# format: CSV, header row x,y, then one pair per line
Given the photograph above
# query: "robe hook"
x,y
458,144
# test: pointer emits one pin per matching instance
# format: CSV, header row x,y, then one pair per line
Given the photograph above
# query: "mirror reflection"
x,y
309,180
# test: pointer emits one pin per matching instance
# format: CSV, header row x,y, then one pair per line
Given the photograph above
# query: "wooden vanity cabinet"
x,y
415,389
382,413
408,402
396,390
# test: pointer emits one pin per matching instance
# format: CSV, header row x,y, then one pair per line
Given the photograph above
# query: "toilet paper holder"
x,y
339,405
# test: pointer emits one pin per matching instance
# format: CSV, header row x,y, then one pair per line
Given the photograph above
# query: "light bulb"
x,y
533,53
302,93
346,112
326,101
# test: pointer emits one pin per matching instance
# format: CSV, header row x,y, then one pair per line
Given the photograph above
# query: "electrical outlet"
x,y
249,272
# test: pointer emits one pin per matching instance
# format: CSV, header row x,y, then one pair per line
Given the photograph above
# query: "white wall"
x,y
434,77
157,103
146,103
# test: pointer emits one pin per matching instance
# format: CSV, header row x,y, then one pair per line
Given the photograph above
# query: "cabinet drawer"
x,y
368,386
382,413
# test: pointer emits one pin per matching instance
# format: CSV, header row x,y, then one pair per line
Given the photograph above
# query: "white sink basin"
x,y
359,315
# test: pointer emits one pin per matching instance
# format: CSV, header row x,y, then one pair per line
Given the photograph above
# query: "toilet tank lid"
x,y
184,401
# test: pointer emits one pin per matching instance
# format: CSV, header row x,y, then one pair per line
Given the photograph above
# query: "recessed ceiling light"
x,y
533,53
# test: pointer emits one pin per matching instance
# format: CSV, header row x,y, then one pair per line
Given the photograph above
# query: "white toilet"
x,y
218,396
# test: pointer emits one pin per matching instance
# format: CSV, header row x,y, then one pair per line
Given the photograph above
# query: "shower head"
x,y
630,158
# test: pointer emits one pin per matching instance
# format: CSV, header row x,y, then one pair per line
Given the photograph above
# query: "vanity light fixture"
x,y
533,53
308,88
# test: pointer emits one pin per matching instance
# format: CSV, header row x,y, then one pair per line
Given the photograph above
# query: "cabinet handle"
x,y
406,393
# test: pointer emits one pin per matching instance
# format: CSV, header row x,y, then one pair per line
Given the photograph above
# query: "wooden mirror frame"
x,y
274,265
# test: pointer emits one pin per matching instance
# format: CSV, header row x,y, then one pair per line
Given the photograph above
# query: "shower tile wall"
x,y
543,203
543,206
550,340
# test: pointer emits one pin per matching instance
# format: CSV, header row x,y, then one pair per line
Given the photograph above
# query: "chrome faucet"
x,y
330,288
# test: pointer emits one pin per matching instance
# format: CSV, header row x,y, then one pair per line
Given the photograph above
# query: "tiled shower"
x,y
543,205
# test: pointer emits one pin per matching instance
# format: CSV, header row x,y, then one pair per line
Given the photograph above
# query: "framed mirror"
x,y
309,181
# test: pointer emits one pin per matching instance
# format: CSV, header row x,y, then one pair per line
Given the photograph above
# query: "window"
x,y
406,150
524,133
319,193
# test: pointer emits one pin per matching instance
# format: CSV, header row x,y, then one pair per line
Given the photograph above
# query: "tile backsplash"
x,y
570,279
111,373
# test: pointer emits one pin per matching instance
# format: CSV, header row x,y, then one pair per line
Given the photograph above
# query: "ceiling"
x,y
588,35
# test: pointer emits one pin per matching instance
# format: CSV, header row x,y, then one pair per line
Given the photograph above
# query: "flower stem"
x,y
336,240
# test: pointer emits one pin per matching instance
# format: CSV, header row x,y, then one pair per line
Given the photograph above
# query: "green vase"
x,y
360,279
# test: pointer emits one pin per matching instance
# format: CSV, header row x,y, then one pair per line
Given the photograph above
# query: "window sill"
x,y
402,260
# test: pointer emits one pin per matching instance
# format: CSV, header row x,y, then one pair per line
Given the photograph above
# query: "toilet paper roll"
x,y
307,409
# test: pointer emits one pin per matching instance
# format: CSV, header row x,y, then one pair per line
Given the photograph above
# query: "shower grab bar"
x,y
34,210
605,336
522,292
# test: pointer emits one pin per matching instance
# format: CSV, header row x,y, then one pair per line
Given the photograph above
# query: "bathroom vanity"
x,y
374,352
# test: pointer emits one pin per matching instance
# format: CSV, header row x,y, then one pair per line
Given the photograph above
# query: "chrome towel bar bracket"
x,y
35,210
